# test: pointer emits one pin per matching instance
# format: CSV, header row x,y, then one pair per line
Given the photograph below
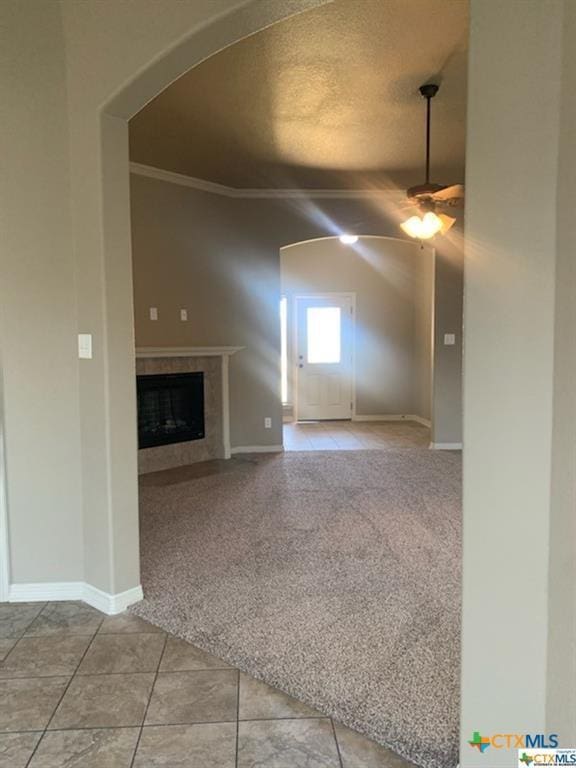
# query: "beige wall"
x,y
201,252
561,671
37,300
391,279
519,423
423,331
447,360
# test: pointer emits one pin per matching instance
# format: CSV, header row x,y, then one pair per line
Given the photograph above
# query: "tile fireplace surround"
x,y
214,362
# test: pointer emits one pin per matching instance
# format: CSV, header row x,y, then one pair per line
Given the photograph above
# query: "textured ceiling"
x,y
327,98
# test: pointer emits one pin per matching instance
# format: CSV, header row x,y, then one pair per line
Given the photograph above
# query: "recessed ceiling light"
x,y
348,239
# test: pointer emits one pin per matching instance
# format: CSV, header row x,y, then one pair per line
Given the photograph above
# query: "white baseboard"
x,y
75,590
41,592
420,420
392,417
446,446
111,604
379,417
257,449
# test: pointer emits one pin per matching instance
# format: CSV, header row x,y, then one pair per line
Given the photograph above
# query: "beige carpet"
x,y
333,576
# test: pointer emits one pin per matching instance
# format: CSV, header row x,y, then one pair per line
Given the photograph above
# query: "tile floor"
x,y
79,689
354,435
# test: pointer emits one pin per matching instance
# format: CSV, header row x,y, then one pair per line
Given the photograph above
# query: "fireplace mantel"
x,y
148,352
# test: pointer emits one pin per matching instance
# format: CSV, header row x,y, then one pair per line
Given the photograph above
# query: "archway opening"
x,y
251,227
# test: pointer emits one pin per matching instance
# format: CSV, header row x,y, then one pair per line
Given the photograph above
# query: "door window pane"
x,y
323,332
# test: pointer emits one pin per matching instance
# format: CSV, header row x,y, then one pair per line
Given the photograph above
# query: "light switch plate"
x,y
183,315
449,339
85,346
153,313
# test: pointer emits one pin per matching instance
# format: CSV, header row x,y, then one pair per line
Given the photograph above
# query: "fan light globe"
x,y
425,227
348,239
422,228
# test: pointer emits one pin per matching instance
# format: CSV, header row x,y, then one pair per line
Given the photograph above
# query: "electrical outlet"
x,y
449,339
267,423
183,315
153,313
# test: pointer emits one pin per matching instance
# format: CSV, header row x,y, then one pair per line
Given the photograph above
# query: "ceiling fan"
x,y
431,199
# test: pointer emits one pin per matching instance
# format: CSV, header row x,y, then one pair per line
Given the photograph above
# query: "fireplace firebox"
x,y
170,408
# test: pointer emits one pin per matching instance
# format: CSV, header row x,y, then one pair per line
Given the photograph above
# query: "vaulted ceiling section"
x,y
326,99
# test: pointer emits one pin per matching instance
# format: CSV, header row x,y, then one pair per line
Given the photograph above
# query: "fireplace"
x,y
211,440
170,408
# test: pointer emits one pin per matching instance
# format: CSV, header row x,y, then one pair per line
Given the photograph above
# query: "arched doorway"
x,y
115,390
391,282
113,145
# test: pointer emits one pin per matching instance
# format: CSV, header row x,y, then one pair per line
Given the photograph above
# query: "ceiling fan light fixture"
x,y
412,226
430,197
423,227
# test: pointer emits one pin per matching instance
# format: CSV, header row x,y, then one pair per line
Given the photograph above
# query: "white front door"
x,y
324,327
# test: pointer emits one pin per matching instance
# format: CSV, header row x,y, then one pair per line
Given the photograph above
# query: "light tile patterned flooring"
x,y
354,435
81,689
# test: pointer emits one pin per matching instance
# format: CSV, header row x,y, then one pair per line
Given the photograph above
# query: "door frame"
x,y
293,343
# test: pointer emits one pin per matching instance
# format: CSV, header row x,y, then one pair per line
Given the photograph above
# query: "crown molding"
x,y
138,169
184,181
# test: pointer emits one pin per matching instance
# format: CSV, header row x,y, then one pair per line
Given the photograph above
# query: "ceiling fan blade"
x,y
456,191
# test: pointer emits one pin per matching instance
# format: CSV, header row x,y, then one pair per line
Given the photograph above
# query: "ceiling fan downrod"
x,y
428,91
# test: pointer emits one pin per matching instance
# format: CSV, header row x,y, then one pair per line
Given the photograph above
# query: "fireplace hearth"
x,y
170,408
